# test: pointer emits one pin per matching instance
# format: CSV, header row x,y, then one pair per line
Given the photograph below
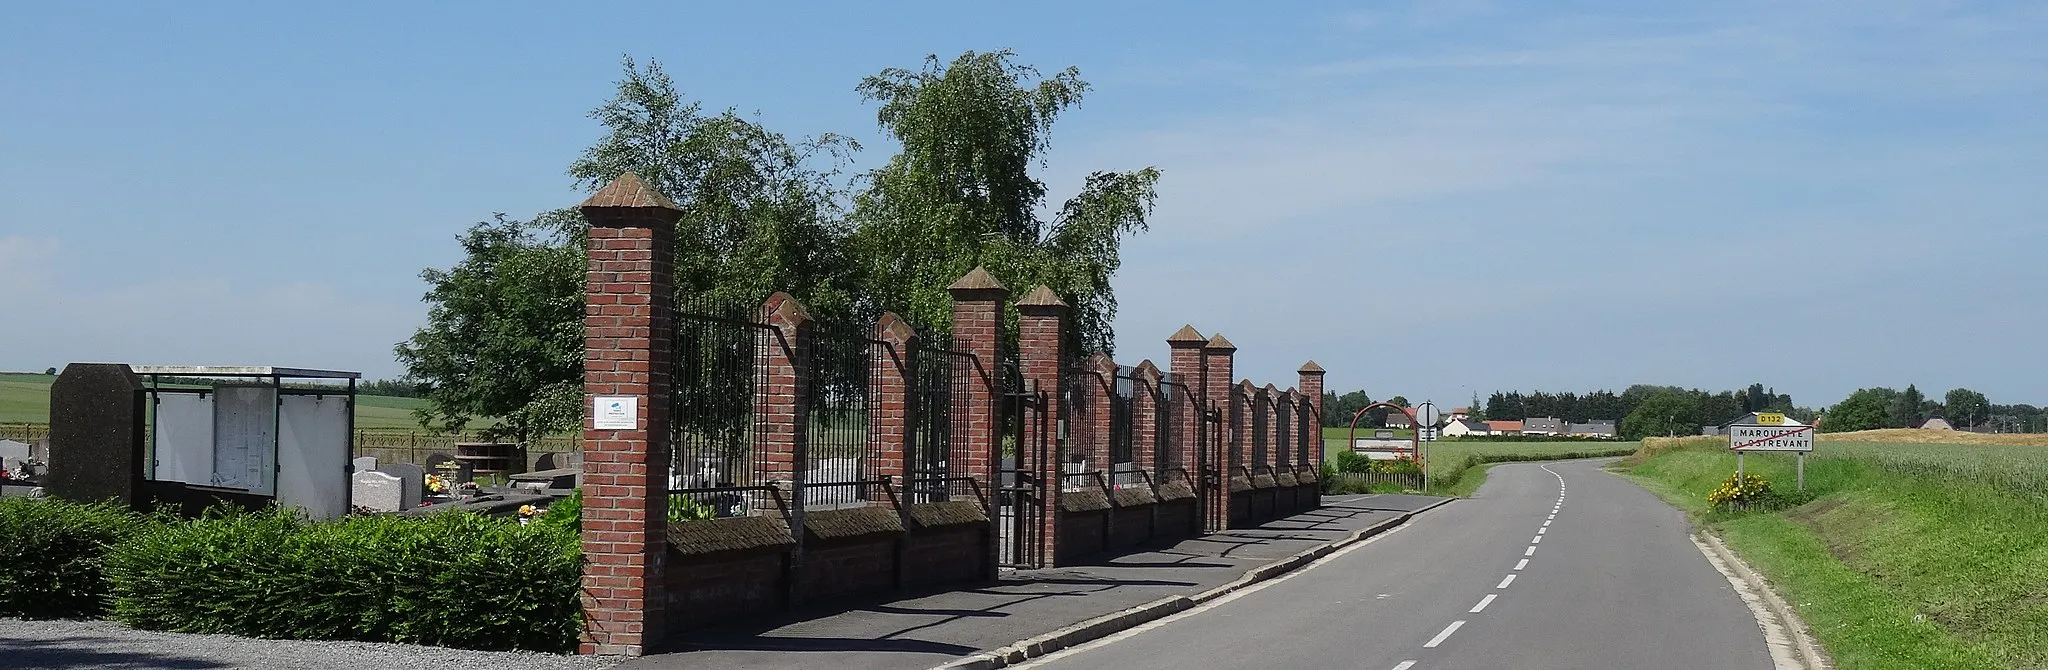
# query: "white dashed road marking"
x,y
1483,602
1440,637
1505,582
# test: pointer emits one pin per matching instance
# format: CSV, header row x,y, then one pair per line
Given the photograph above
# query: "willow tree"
x,y
961,193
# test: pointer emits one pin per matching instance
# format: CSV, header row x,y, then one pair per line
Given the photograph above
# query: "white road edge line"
x,y
1505,582
1522,564
1405,665
1553,517
1483,602
1440,637
1530,552
1544,529
1537,540
1234,595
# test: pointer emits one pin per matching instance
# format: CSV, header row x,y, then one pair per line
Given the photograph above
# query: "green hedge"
x,y
455,580
51,554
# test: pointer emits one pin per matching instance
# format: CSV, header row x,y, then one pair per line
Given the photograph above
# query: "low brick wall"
x,y
704,590
723,569
1131,521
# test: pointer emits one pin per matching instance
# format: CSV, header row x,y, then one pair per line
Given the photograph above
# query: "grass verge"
x,y
1893,564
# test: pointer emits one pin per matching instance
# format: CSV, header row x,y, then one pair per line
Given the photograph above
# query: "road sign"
x,y
1770,418
1427,434
1426,414
1770,438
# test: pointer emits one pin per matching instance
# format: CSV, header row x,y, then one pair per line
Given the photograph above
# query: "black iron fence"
x,y
844,369
936,402
720,359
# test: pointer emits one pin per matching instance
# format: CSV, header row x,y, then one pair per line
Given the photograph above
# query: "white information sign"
x,y
615,412
1770,438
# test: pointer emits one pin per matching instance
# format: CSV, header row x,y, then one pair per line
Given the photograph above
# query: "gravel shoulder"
x,y
67,645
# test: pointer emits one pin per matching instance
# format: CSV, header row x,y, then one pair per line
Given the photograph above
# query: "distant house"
x,y
1543,426
1461,413
1712,430
1397,419
1937,423
1466,428
1591,429
1503,427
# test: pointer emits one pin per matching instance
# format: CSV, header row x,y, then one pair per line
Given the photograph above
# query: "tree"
x,y
758,215
1338,410
504,333
1863,410
960,193
1967,406
504,336
1665,412
1475,411
1906,410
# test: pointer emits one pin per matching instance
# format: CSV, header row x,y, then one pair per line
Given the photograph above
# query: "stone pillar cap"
x,y
1185,337
1041,297
1220,345
1310,368
977,279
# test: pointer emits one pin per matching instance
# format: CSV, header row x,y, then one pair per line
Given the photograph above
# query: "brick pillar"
x,y
629,303
1262,424
977,329
1219,357
1185,362
1285,431
892,358
1311,379
1088,431
1041,325
1145,419
780,406
1245,396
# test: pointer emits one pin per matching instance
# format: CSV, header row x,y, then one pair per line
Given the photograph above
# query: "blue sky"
x,y
1429,198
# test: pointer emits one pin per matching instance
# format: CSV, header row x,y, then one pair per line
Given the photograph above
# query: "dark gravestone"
x,y
434,466
96,434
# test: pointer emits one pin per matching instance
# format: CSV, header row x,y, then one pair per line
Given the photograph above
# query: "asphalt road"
x,y
1612,581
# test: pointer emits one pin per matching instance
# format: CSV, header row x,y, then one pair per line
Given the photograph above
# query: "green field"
x,y
1911,555
25,398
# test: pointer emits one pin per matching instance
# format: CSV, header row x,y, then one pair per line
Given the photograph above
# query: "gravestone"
x,y
365,464
96,434
434,461
413,482
379,492
12,453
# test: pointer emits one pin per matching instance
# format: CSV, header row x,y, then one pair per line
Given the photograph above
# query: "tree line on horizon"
x,y
1646,410
762,212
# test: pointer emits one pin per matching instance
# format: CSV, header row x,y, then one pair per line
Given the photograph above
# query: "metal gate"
x,y
1022,492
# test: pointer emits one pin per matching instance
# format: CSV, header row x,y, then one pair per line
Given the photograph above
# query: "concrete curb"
x,y
1810,656
1123,620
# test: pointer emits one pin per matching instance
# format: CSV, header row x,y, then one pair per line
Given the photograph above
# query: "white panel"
x,y
245,438
184,438
312,455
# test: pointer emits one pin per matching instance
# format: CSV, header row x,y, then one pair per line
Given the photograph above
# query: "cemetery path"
x,y
928,630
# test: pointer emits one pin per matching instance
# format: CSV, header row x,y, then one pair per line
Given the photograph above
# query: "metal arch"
x,y
1414,440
